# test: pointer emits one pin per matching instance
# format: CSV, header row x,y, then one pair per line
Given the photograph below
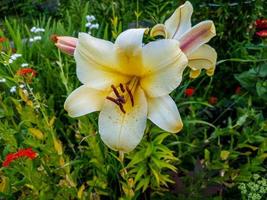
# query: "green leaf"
x,y
149,149
261,88
162,164
159,139
138,157
241,120
141,171
224,154
143,184
155,173
207,155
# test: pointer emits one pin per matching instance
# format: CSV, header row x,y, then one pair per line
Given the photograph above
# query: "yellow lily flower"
x,y
192,39
127,82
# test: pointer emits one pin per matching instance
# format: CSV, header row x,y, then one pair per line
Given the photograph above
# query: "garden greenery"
x,y
219,154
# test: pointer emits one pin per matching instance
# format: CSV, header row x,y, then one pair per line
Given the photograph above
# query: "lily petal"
x,y
165,80
160,54
194,73
197,36
159,30
129,51
123,132
96,62
84,100
163,112
203,58
180,21
210,71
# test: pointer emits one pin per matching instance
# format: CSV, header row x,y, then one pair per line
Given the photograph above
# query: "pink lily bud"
x,y
65,43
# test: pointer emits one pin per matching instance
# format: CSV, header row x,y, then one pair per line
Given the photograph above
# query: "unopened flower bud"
x,y
65,43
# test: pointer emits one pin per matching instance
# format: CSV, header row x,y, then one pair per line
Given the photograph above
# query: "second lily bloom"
x,y
192,39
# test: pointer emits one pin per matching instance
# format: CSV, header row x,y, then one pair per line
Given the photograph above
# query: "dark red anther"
x,y
113,100
121,99
130,94
115,91
122,88
118,102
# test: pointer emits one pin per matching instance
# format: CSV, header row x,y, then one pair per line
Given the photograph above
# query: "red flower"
x,y
261,23
189,92
29,153
237,90
262,34
26,71
213,100
2,39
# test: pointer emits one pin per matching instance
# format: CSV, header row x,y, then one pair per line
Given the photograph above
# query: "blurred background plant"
x,y
216,156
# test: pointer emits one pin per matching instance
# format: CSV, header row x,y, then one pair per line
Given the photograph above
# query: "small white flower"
x,y
39,30
94,26
37,38
2,80
90,18
33,29
21,86
31,40
15,56
13,89
24,65
88,24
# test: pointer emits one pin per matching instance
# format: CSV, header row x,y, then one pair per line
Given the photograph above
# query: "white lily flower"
x,y
192,39
127,82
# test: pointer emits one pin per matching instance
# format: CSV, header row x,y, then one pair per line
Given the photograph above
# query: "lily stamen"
x,y
130,95
122,109
115,91
113,100
122,88
121,99
118,102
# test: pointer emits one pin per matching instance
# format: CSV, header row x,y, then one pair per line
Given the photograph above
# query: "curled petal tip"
x,y
210,72
195,73
159,30
188,5
213,29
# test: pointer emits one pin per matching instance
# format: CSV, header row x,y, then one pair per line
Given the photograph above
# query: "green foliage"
x,y
218,152
255,81
254,189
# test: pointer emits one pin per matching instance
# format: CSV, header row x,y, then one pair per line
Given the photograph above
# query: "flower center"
x,y
123,93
